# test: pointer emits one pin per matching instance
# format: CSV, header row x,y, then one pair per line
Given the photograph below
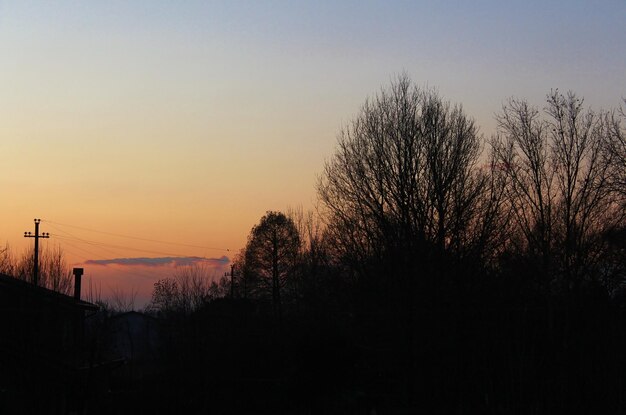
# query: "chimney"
x,y
78,272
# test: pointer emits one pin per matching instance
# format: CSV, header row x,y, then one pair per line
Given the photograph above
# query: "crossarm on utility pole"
x,y
36,235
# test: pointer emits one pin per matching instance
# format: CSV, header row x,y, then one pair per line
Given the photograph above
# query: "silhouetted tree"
x,y
411,214
557,185
165,295
404,188
245,278
186,291
616,151
241,274
271,256
614,254
122,301
54,272
7,261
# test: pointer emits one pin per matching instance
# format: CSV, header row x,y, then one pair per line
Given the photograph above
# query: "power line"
x,y
71,240
74,238
135,237
103,245
86,258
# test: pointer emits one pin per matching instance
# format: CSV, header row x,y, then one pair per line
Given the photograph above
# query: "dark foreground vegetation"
x,y
443,274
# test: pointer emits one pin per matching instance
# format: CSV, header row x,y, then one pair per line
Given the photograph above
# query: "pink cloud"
x,y
159,261
136,276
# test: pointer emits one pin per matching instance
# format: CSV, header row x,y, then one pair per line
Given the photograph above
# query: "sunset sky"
x,y
163,129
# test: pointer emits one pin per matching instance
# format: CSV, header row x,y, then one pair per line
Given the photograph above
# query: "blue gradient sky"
x,y
186,121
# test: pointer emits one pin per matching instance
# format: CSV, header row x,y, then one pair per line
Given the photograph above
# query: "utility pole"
x,y
36,255
232,281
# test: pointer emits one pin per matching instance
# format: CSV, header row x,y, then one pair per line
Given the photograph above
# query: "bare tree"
x,y
186,291
122,301
613,122
54,272
522,151
7,261
556,183
310,227
404,185
193,286
164,296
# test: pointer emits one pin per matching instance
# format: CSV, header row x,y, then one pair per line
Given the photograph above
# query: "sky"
x,y
160,129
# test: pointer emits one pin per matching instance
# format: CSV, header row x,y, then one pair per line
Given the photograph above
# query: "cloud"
x,y
158,262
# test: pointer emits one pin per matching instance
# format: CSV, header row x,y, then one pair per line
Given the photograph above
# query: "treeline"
x,y
417,203
54,272
443,271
